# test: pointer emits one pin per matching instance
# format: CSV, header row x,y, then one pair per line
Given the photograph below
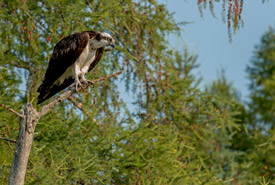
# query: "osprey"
x,y
72,58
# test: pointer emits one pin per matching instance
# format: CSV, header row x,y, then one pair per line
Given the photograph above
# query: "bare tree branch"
x,y
45,109
107,77
6,139
27,125
11,110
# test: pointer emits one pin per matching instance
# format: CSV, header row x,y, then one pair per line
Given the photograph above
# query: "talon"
x,y
78,86
84,82
87,82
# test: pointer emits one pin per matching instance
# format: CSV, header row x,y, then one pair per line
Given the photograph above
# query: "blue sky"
x,y
208,37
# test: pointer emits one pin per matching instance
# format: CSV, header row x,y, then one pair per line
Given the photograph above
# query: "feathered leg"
x,y
76,72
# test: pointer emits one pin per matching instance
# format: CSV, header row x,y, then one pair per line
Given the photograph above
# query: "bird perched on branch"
x,y
72,58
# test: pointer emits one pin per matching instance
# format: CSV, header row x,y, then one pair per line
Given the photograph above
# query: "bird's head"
x,y
101,39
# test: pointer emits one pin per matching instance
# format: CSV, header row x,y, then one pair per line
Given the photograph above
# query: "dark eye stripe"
x,y
98,37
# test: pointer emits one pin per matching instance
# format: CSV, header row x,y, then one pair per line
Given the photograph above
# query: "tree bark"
x,y
27,125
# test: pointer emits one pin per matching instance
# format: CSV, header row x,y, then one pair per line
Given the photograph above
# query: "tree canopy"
x,y
176,133
262,74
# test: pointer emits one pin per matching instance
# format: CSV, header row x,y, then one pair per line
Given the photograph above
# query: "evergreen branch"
x,y
19,64
11,110
6,139
46,108
16,64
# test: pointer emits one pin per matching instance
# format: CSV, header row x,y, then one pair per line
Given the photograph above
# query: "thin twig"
x,y
80,107
11,110
46,108
6,139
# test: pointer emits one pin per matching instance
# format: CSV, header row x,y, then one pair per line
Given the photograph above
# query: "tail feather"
x,y
47,92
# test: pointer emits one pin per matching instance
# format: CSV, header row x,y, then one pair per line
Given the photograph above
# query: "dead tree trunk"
x,y
27,125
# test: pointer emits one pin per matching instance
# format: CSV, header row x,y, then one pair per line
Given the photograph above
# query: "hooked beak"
x,y
112,44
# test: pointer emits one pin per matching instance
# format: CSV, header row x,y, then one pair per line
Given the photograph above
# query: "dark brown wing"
x,y
98,55
65,53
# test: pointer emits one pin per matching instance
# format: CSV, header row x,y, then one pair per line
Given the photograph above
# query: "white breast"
x,y
84,67
83,56
81,65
